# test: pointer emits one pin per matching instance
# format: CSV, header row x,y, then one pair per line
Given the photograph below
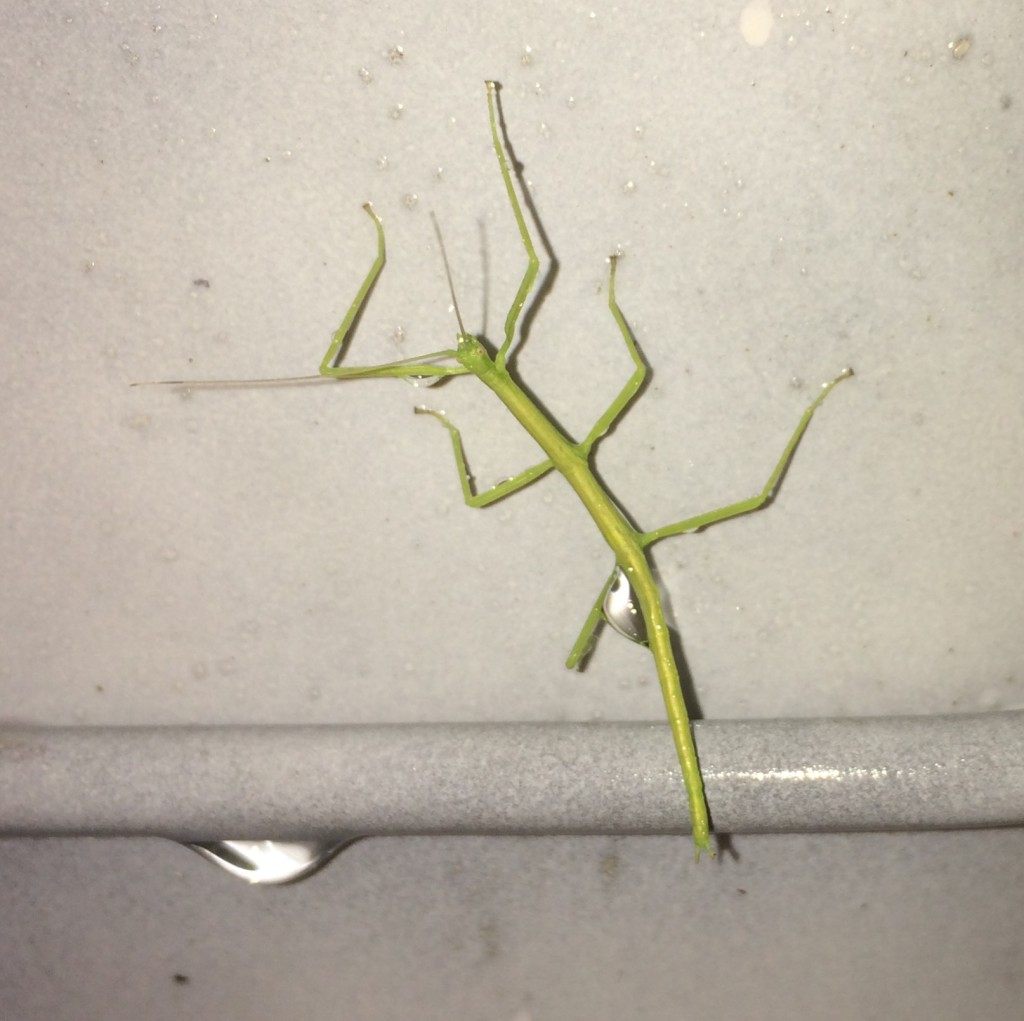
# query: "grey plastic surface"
x,y
315,782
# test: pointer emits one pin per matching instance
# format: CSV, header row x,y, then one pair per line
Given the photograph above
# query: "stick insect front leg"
x,y
614,410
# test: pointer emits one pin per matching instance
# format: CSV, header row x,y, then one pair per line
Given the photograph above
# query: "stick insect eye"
x,y
622,611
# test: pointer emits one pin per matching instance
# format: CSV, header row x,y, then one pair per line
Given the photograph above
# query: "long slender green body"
x,y
572,460
626,544
471,356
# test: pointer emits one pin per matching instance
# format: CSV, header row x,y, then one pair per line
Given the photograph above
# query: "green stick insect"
x,y
632,583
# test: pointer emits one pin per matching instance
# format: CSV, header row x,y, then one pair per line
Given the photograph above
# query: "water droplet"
x,y
265,862
409,200
396,54
621,610
526,57
629,187
396,111
365,75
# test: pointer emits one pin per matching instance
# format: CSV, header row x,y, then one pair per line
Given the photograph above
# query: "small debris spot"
x,y
960,48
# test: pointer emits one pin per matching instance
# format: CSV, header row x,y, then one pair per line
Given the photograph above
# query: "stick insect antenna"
x,y
448,274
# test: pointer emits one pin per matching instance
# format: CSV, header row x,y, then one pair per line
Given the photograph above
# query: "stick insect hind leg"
x,y
599,611
762,499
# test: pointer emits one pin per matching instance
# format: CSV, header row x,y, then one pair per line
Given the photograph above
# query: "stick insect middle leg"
x,y
601,426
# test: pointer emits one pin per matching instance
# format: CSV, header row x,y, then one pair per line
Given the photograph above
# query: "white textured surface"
x,y
847,192
900,926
